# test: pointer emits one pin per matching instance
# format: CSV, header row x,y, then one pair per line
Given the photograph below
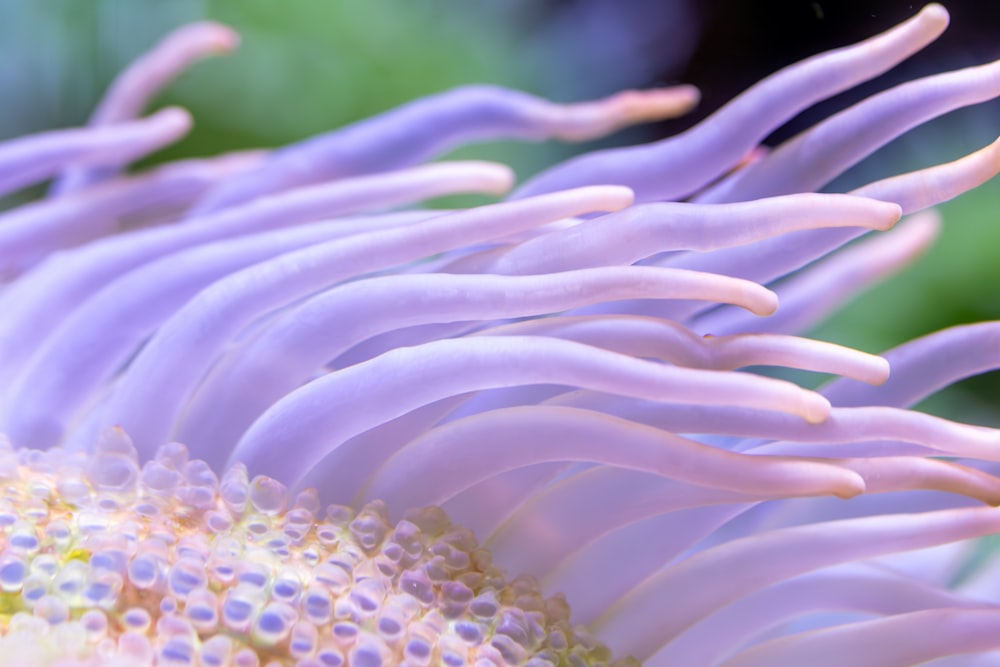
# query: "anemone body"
x,y
561,371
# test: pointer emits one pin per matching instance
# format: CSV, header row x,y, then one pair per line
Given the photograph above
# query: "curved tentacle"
x,y
420,130
135,87
676,167
33,159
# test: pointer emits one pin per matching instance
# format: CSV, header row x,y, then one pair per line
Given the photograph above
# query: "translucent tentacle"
x,y
484,507
282,357
645,230
903,639
41,299
861,424
104,332
676,167
631,628
662,339
29,233
135,87
584,508
158,382
649,544
35,158
770,259
922,366
821,153
364,453
816,291
648,338
861,587
560,519
452,458
450,367
421,129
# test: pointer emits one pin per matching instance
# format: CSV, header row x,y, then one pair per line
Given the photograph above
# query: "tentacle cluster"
x,y
167,564
560,371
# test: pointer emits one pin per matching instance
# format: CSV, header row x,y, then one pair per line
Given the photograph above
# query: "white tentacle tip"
x,y
813,407
877,372
849,485
934,14
222,38
888,214
764,302
607,198
636,106
490,178
177,120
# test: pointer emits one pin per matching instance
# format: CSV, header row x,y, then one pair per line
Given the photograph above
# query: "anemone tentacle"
x,y
816,291
424,128
32,159
132,90
568,372
29,233
823,152
677,167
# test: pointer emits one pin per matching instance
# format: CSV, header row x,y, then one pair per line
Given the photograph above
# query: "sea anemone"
x,y
556,372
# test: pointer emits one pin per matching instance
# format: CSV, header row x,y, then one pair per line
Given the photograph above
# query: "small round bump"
x,y
52,609
484,606
367,596
176,651
303,640
144,571
158,479
369,651
137,620
417,584
136,646
287,586
102,589
216,651
268,496
185,576
246,657
113,473
317,606
95,624
273,624
202,610
13,571
238,610
330,657
332,577
234,489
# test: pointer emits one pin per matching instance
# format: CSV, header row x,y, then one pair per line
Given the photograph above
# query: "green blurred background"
x,y
306,66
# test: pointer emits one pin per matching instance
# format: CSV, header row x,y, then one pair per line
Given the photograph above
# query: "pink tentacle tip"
x,y
813,407
609,198
640,106
175,121
221,38
850,486
764,302
935,13
591,120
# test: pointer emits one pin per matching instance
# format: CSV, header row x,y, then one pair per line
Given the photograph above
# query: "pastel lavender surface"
x,y
557,371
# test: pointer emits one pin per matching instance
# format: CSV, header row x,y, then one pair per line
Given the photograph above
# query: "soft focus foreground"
x,y
558,371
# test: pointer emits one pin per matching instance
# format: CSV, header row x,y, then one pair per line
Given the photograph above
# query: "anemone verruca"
x,y
540,368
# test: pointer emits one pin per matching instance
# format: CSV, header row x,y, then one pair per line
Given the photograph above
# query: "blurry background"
x,y
306,66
